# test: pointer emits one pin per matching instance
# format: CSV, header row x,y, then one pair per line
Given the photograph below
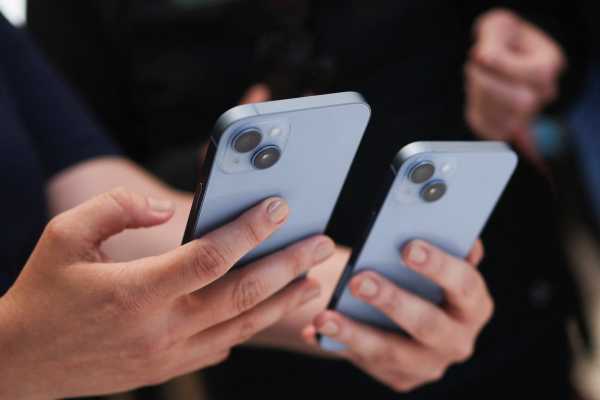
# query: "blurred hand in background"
x,y
512,73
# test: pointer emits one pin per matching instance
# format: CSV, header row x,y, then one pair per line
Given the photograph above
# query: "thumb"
x,y
108,214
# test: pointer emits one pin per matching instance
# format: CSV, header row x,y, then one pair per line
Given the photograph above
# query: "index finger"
x,y
464,288
201,262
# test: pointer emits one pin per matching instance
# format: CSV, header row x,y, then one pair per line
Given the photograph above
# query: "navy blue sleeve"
x,y
63,131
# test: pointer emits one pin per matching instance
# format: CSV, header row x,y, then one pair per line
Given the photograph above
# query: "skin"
x,y
438,336
78,323
119,316
512,73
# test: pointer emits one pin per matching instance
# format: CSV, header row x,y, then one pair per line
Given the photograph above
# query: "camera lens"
x,y
422,172
247,140
433,191
266,157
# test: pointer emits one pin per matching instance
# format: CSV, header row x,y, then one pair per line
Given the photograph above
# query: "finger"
x,y
495,93
466,293
256,94
495,33
519,51
244,327
108,214
199,263
243,289
496,109
425,322
476,254
375,349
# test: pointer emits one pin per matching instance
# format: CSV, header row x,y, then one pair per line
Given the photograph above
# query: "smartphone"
x,y
440,192
298,149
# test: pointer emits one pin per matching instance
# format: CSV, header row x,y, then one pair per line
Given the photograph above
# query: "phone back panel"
x,y
319,137
475,173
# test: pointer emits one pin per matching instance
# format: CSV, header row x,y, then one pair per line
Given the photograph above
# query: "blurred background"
x,y
14,10
158,73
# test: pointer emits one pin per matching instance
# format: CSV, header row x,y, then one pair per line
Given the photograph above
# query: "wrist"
x,y
19,372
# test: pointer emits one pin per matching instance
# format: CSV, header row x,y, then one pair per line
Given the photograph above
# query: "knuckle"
x,y
470,284
296,258
437,373
251,232
403,386
439,263
247,330
384,357
121,197
208,262
247,292
426,327
463,351
488,309
388,300
58,229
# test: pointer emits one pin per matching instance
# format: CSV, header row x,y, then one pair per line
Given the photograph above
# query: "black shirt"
x,y
43,131
178,68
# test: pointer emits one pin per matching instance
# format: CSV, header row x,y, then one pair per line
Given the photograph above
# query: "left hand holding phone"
x,y
75,323
438,336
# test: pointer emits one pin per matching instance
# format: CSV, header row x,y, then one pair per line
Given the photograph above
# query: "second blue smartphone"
x,y
440,192
298,149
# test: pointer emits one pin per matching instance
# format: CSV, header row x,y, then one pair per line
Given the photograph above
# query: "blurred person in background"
x,y
514,72
159,73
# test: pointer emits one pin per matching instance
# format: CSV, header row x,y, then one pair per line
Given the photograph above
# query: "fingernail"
x,y
417,253
278,211
311,293
323,251
330,329
160,206
368,288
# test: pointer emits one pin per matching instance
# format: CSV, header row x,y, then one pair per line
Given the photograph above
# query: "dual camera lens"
x,y
423,172
248,141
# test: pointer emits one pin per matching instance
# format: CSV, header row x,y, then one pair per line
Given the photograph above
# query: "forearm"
x,y
83,181
287,333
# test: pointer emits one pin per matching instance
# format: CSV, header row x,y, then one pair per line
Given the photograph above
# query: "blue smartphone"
x,y
298,149
440,192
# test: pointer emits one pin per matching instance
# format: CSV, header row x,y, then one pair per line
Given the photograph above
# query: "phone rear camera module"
x,y
422,172
247,140
266,157
433,191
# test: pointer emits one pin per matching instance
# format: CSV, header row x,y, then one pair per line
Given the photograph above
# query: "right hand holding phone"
x,y
75,323
439,336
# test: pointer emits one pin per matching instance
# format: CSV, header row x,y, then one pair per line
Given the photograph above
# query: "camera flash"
x,y
447,168
275,132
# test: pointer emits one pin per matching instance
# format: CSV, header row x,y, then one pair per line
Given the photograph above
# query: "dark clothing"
x,y
160,75
44,131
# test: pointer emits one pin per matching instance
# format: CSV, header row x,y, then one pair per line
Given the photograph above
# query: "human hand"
x,y
77,324
438,336
512,73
